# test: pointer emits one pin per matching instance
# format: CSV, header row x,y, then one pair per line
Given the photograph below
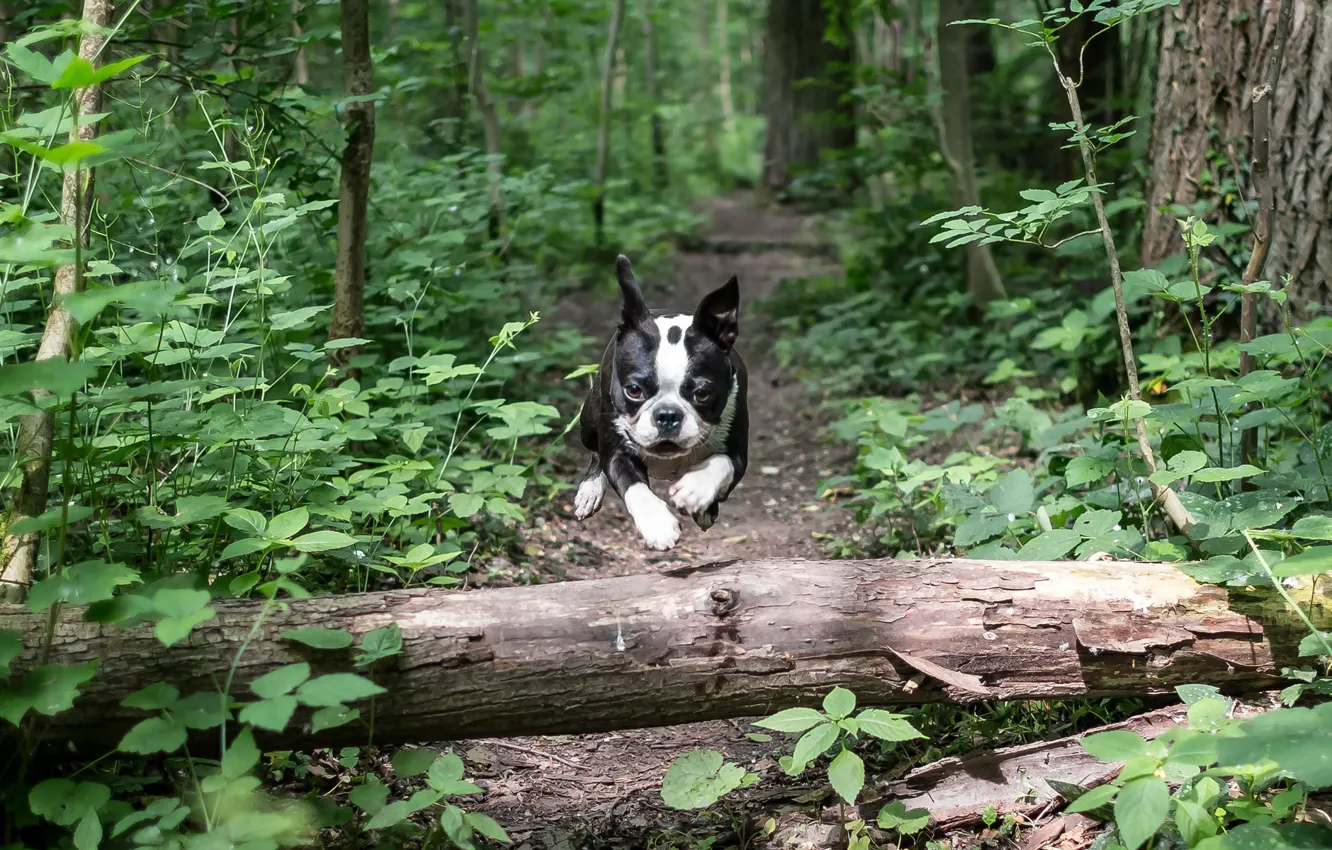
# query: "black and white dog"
x,y
669,402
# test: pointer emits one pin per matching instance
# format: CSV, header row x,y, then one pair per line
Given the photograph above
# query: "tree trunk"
x,y
711,149
348,319
603,126
805,80
18,553
659,173
489,122
983,280
1212,58
302,60
724,94
729,639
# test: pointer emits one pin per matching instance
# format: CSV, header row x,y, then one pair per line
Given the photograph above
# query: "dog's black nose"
x,y
668,420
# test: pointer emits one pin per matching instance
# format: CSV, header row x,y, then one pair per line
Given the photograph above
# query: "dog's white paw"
x,y
652,517
587,500
699,487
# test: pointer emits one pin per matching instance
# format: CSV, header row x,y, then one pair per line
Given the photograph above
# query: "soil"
x,y
604,790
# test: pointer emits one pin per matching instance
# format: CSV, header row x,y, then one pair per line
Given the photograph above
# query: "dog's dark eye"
x,y
633,392
702,396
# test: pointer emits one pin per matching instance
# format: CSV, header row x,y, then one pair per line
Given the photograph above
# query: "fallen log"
x,y
724,640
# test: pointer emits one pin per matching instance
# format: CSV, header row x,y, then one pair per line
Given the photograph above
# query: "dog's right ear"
x,y
633,309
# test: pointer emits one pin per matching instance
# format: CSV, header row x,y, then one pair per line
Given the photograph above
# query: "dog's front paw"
x,y
652,517
698,489
588,499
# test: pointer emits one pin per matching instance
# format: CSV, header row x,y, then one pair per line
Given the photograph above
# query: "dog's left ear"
x,y
718,314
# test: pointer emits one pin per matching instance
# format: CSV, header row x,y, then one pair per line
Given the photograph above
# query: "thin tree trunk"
x,y
348,318
724,95
302,60
740,638
489,122
229,151
36,436
659,173
1261,172
983,280
603,126
711,149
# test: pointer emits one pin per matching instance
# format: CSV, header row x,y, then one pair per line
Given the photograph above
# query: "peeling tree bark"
x,y
37,430
603,126
733,639
1213,54
348,318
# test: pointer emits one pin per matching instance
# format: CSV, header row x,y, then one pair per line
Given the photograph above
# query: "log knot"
x,y
722,600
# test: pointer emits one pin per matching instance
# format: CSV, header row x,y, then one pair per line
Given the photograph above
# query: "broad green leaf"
x,y
1086,469
286,525
1093,799
1299,740
1049,546
413,761
57,376
11,645
1180,466
792,720
378,644
466,505
1119,745
1311,562
978,528
332,717
1266,836
896,816
241,756
320,638
1194,821
294,318
814,743
80,72
49,690
172,630
1214,474
81,584
155,697
698,779
886,726
1313,527
447,768
154,735
337,688
271,714
322,541
486,825
1140,810
281,681
846,774
247,521
1192,748
371,796
1097,523
1315,644
399,810
210,221
188,509
1013,493
839,703
52,519
244,546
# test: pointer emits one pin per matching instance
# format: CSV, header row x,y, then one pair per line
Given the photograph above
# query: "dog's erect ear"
x,y
718,314
633,309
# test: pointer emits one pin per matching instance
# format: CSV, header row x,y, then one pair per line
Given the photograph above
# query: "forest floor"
x,y
604,790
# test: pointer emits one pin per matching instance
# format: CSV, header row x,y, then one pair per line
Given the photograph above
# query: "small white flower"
x,y
358,553
1116,526
1011,517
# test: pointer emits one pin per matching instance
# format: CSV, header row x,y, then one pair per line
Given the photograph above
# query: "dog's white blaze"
x,y
672,366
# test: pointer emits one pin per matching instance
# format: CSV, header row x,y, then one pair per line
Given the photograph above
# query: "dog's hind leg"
x,y
591,491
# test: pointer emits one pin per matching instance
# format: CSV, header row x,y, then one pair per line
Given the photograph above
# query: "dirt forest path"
x,y
774,511
595,791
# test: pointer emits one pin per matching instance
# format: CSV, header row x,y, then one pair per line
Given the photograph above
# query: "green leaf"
x,y
1194,821
814,743
271,714
445,769
413,761
978,528
792,720
1095,798
378,644
88,835
244,546
1140,810
1265,836
1097,523
80,72
281,681
241,756
286,525
319,638
1313,527
897,816
1050,545
1086,469
1119,745
247,521
81,584
839,703
322,541
1214,474
210,221
399,810
11,645
466,505
155,697
294,318
57,376
154,735
486,825
31,63
847,776
337,688
49,690
1013,493
332,717
1313,561
1180,466
886,726
1299,740
371,796
172,630
1193,748
698,779
50,520
188,509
